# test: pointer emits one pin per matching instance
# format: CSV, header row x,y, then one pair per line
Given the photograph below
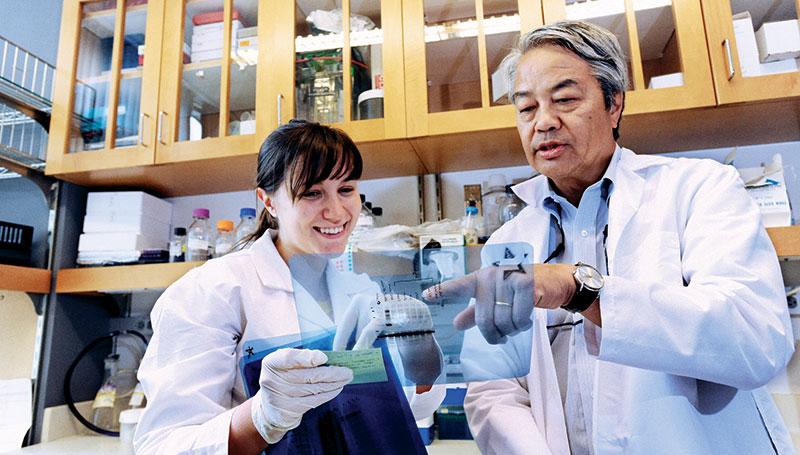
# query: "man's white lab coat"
x,y
202,324
695,323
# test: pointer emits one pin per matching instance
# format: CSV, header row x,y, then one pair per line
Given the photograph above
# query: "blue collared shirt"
x,y
584,235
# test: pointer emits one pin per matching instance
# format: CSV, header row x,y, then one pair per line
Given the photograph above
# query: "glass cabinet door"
x,y
662,42
341,63
107,86
453,53
754,46
208,88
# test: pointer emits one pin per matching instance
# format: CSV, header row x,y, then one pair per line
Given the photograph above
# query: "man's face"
x,y
563,122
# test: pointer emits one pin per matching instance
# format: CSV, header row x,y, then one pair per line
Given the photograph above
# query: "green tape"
x,y
367,364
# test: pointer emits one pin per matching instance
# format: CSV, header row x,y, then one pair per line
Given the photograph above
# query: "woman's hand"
x,y
293,381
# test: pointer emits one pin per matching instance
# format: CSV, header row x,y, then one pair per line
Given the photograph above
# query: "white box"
x,y
666,80
210,41
500,87
215,27
767,186
778,40
789,65
125,222
201,56
746,44
118,241
129,201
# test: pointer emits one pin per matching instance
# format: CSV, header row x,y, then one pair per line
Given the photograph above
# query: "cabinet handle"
x,y
160,123
727,44
280,98
142,115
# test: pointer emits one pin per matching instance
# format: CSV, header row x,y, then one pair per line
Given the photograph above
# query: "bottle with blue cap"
x,y
247,223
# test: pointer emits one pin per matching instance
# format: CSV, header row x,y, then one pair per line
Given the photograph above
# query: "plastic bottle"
x,y
493,202
471,224
177,246
377,216
225,239
199,237
106,396
247,223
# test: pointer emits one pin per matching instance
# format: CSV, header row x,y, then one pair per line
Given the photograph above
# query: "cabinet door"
x,y
741,36
210,61
106,85
663,43
319,41
453,49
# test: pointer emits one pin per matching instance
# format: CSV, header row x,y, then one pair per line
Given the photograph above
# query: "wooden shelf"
x,y
156,276
121,278
786,241
25,279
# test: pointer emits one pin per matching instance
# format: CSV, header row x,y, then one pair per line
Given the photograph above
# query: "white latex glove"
x,y
405,321
293,382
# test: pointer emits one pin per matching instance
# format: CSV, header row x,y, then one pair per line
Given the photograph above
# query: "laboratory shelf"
x,y
786,241
25,279
121,278
159,276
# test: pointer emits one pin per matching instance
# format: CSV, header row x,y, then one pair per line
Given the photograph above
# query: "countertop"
x,y
75,445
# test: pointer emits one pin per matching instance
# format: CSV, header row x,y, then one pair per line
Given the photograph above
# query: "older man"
x,y
659,308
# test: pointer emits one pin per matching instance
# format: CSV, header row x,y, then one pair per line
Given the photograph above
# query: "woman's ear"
x,y
266,199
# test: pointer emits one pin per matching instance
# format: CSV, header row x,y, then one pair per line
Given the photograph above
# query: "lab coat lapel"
x,y
624,203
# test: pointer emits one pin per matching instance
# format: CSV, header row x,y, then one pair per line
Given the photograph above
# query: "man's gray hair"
x,y
594,44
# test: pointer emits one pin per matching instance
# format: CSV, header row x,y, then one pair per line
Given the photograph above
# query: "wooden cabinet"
x,y
663,41
739,73
105,102
453,51
179,125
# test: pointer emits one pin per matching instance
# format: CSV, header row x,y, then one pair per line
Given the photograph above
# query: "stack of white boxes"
x,y
208,35
773,49
120,225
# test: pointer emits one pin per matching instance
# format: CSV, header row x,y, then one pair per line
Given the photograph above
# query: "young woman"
x,y
208,324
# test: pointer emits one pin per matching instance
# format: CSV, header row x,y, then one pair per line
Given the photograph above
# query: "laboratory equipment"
x,y
177,246
471,223
199,237
493,201
247,223
224,241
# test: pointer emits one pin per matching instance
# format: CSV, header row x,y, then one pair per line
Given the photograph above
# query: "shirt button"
x,y
584,233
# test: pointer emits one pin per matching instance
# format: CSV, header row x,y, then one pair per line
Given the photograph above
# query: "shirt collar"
x,y
552,201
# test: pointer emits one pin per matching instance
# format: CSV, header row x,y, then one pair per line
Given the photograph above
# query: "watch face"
x,y
589,277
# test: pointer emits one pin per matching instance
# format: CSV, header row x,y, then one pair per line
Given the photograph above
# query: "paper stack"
x,y
119,226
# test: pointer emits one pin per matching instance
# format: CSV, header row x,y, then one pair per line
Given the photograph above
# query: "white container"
x,y
129,202
119,241
126,222
127,424
746,44
778,41
666,80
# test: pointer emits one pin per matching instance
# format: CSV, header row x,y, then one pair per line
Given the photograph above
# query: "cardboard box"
x,y
778,41
215,17
767,186
129,201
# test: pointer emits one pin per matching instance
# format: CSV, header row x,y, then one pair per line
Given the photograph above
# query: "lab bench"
x,y
109,445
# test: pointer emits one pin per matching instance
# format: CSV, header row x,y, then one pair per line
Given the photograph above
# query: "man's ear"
x,y
616,108
266,199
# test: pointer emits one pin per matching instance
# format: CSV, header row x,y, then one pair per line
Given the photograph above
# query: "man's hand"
x,y
505,296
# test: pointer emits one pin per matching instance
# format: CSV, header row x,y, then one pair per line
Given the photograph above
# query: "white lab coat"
x,y
190,372
695,323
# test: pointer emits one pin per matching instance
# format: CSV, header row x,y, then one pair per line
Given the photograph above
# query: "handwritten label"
x,y
367,364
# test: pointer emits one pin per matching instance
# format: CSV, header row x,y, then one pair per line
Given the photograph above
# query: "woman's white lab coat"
x,y
695,323
202,323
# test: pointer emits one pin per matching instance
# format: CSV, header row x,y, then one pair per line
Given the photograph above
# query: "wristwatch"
x,y
588,283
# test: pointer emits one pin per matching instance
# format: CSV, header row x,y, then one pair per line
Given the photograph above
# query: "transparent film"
x,y
360,306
